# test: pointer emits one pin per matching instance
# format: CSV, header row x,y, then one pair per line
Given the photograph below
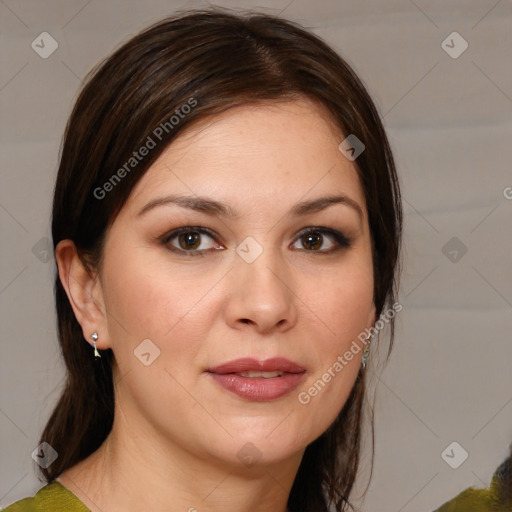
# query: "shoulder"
x,y
53,497
25,505
478,500
470,500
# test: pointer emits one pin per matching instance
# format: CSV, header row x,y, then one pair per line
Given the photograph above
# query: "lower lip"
x,y
258,389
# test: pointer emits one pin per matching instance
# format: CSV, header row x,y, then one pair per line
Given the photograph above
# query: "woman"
x,y
227,225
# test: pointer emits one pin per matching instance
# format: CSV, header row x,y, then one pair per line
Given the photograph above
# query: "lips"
x,y
277,364
260,381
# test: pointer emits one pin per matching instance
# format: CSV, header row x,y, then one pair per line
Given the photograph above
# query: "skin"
x,y
177,433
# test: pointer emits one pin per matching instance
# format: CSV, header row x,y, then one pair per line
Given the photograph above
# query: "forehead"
x,y
259,153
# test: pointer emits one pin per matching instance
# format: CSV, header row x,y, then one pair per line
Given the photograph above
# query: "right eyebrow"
x,y
200,204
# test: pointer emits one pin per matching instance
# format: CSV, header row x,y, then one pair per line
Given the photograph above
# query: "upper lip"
x,y
248,364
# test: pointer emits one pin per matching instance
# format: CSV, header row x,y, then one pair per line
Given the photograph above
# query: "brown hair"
x,y
218,60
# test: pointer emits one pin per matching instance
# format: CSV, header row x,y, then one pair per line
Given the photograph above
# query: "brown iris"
x,y
189,240
312,240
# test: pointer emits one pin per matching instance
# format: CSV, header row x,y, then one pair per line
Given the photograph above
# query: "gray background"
x,y
450,125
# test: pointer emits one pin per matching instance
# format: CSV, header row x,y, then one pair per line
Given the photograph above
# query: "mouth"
x,y
260,375
259,381
248,365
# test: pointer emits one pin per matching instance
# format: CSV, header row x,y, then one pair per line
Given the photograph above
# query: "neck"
x,y
129,470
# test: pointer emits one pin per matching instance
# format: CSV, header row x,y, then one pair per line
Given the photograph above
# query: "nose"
x,y
262,296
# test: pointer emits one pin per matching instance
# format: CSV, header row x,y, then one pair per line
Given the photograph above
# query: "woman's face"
x,y
241,280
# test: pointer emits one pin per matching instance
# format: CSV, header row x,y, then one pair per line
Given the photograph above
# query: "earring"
x,y
366,351
94,338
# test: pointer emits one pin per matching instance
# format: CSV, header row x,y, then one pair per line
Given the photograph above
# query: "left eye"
x,y
314,240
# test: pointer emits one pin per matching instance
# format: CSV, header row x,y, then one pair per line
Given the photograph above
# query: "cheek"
x,y
342,310
350,306
175,312
343,300
144,301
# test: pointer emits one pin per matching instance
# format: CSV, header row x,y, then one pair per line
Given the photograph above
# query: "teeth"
x,y
256,374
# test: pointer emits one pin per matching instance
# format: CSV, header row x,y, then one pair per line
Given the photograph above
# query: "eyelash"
x,y
340,239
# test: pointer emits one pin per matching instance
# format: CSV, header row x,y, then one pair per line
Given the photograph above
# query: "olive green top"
x,y
53,497
481,500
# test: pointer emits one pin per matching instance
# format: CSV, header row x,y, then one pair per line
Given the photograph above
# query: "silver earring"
x,y
366,351
94,338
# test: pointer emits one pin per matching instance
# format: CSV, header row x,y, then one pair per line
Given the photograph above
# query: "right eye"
x,y
188,241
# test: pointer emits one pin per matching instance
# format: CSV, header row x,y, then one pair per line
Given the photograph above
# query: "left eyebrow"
x,y
316,205
212,207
